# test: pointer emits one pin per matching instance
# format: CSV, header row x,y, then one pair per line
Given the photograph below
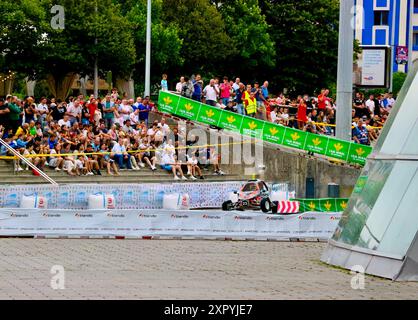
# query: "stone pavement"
x,y
180,269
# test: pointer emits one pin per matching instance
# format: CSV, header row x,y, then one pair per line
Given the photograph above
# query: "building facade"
x,y
387,23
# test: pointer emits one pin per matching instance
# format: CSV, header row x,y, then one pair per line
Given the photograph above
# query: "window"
x,y
415,41
381,18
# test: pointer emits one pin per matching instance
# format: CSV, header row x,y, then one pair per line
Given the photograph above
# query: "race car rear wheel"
x,y
265,205
227,205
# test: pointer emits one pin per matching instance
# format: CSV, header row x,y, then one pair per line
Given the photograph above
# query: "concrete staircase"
x,y
145,175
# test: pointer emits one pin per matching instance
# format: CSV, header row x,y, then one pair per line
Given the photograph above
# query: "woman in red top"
x,y
92,106
301,116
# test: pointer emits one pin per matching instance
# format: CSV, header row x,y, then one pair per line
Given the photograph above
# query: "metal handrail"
x,y
30,164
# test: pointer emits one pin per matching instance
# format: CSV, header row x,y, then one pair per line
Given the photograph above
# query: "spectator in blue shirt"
x,y
197,86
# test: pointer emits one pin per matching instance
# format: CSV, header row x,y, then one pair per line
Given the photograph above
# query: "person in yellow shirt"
x,y
251,105
23,129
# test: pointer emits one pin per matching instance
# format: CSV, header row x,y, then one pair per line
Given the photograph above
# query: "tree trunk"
x,y
83,81
126,86
60,86
30,87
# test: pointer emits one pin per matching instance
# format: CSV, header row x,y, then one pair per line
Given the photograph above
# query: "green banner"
x,y
188,109
341,204
316,143
322,205
231,121
167,102
358,154
267,131
209,115
294,138
252,127
338,149
273,133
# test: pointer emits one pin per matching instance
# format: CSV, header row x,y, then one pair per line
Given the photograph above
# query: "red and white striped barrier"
x,y
288,206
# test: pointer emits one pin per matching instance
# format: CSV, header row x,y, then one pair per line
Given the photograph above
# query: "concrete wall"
x,y
285,166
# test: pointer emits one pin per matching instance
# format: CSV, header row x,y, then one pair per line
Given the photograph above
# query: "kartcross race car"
x,y
254,194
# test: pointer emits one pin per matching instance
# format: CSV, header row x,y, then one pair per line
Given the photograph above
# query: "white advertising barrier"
x,y
101,201
126,196
33,202
190,223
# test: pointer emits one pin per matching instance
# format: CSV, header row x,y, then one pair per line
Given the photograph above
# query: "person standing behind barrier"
x,y
225,91
74,112
261,109
239,98
211,92
198,86
251,105
187,88
29,108
164,83
179,85
109,112
42,111
14,114
322,99
301,115
4,112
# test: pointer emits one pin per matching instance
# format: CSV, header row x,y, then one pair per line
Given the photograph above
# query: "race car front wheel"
x,y
227,205
265,205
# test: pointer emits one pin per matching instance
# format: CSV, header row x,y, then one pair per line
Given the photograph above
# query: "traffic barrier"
x,y
345,151
197,224
287,207
322,205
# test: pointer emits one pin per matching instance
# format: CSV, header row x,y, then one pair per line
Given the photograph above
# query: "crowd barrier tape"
x,y
36,155
127,196
182,223
322,205
345,151
323,124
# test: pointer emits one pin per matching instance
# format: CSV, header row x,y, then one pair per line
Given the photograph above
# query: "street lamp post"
x,y
96,64
345,71
148,51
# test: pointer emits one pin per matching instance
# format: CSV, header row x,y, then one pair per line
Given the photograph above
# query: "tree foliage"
x,y
291,43
165,40
206,44
248,30
306,37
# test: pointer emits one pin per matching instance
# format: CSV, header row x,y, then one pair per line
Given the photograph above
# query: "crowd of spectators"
x,y
114,133
82,136
315,114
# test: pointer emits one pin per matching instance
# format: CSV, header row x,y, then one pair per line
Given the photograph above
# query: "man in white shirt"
x,y
391,100
179,85
65,121
371,105
42,110
120,155
211,93
235,86
168,162
164,127
74,112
